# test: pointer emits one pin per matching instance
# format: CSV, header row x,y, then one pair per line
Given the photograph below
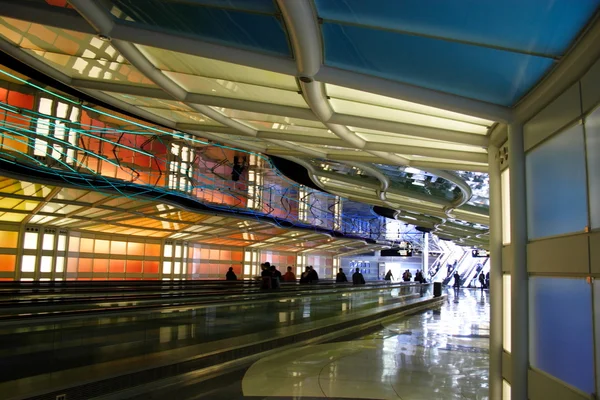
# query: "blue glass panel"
x,y
542,26
592,132
556,185
263,6
229,27
486,74
560,330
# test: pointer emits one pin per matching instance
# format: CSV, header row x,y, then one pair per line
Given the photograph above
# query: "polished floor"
x,y
437,354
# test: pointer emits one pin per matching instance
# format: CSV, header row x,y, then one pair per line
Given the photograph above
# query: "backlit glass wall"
x,y
562,226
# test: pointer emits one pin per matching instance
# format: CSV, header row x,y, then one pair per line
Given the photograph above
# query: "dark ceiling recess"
x,y
384,212
293,171
424,230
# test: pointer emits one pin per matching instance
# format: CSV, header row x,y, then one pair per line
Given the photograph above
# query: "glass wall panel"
x,y
505,184
597,331
506,313
556,185
48,241
28,263
592,132
560,330
30,241
506,393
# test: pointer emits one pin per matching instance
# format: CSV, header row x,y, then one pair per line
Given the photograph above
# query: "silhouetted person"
x,y
238,168
358,278
341,276
313,277
419,277
456,280
275,277
304,278
487,280
266,276
389,276
289,275
406,276
482,280
230,275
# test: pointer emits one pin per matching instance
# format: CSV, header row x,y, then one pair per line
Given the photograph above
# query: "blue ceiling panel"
x,y
538,26
482,73
250,30
261,6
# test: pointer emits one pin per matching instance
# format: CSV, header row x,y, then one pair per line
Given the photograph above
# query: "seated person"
x,y
230,275
341,276
289,275
358,278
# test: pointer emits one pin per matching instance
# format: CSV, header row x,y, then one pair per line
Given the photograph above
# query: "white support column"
x,y
425,257
519,277
496,289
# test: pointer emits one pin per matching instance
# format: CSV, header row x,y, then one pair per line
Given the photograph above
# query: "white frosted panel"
x,y
506,313
592,129
505,184
556,185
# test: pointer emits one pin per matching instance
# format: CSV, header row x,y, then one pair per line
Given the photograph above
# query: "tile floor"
x,y
438,354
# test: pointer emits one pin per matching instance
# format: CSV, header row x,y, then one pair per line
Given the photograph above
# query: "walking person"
x,y
358,278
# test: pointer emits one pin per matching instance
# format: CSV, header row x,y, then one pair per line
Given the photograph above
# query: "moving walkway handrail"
x,y
266,296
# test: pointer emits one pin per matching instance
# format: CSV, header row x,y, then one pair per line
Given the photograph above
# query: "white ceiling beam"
x,y
415,94
195,98
426,132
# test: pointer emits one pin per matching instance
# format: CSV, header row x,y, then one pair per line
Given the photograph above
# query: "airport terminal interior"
x,y
183,181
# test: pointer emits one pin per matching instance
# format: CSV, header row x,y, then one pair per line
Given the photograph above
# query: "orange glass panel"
x,y
237,255
8,240
214,254
85,264
14,143
102,246
72,264
116,266
74,244
118,247
150,267
195,268
152,250
135,249
237,269
204,254
86,246
214,269
225,255
134,266
7,262
100,265
197,253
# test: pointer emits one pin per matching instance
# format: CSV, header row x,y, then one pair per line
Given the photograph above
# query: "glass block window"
x,y
255,182
181,167
54,136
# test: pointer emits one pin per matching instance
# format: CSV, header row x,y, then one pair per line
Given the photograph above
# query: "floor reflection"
x,y
438,354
